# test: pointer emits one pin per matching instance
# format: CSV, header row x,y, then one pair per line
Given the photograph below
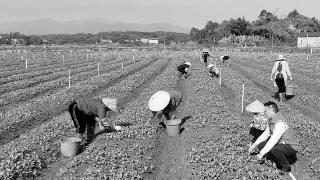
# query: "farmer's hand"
x,y
271,78
290,78
259,156
251,148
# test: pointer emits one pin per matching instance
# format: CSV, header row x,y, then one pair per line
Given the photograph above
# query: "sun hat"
x,y
210,65
255,107
280,57
205,50
110,103
188,63
221,57
159,101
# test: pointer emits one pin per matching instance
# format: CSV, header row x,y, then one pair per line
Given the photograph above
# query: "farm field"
x,y
214,139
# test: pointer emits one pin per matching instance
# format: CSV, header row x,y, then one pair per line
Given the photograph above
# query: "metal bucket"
x,y
290,90
70,146
173,127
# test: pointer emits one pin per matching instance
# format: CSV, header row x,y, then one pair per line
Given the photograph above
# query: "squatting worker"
x,y
278,142
260,119
205,55
86,111
165,102
183,70
279,75
213,70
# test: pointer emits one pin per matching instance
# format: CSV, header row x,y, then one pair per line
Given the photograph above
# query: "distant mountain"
x,y
50,26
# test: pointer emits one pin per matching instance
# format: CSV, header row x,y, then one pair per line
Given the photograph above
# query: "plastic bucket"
x,y
70,146
290,90
173,127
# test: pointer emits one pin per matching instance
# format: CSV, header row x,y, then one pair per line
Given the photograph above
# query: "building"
x,y
308,40
150,41
153,41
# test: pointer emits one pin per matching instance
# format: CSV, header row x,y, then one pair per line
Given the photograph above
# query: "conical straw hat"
x,y
205,50
210,65
159,101
255,107
110,103
188,63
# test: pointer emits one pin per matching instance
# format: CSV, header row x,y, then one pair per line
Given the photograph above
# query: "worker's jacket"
x,y
92,107
285,71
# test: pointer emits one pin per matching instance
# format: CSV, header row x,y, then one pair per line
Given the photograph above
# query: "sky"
x,y
185,13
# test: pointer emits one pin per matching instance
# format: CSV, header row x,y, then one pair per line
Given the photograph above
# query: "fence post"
x,y
220,77
242,98
98,68
69,72
26,63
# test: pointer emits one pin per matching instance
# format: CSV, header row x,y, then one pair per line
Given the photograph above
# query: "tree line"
x,y
123,37
267,27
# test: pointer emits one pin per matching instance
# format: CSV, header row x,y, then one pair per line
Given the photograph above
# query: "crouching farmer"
x,y
183,70
213,70
260,119
165,102
278,142
86,111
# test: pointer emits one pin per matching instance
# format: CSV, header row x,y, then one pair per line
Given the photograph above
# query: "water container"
x,y
173,127
70,146
290,90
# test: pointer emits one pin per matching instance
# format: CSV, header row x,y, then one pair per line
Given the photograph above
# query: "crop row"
x,y
306,94
45,138
42,107
52,75
41,72
296,68
29,93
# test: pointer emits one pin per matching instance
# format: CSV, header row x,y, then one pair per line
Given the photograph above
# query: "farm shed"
x,y
153,41
308,40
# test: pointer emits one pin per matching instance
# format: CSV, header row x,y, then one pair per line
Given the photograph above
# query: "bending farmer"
x,y
86,111
260,119
183,70
165,102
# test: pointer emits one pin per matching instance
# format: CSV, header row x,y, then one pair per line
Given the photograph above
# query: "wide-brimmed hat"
x,y
110,103
205,50
188,63
210,65
255,107
159,101
280,57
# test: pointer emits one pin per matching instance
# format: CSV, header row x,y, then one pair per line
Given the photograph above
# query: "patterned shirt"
x,y
259,121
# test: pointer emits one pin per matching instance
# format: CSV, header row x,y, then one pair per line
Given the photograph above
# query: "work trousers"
x,y
281,85
283,154
82,121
